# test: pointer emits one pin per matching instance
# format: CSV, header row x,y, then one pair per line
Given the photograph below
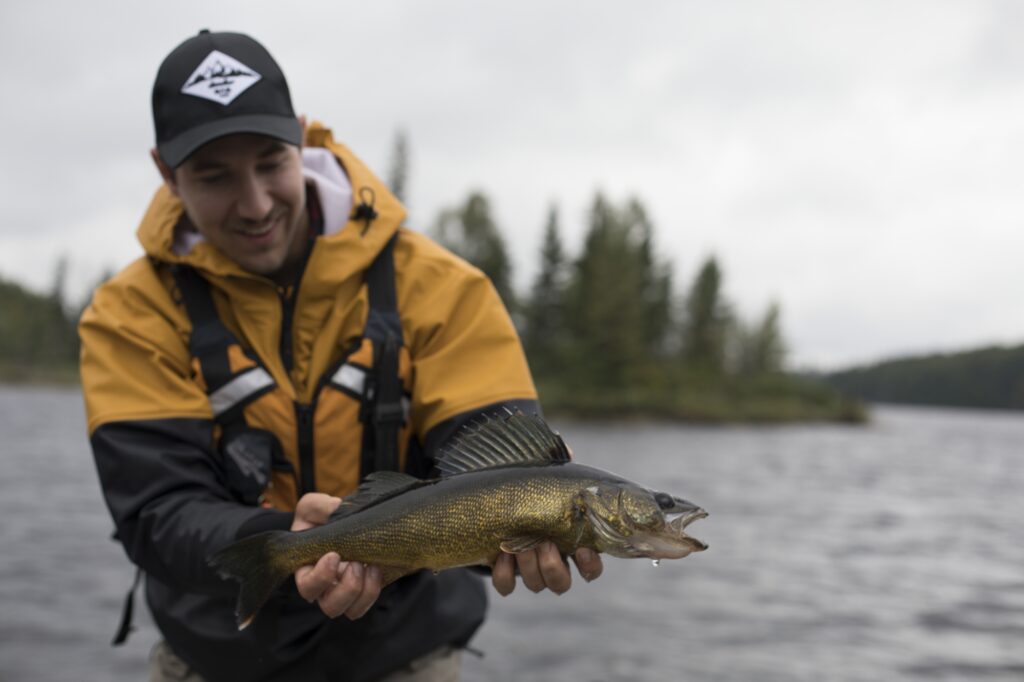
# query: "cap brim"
x,y
176,151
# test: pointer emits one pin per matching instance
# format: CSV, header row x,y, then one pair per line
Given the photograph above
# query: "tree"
x,y
706,323
471,232
544,324
398,172
616,299
655,279
762,350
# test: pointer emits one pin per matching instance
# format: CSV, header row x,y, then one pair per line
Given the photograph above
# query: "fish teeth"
x,y
685,519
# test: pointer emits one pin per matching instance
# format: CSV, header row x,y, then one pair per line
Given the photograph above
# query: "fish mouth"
x,y
671,541
677,523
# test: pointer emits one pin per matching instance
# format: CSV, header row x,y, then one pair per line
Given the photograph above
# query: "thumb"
x,y
314,509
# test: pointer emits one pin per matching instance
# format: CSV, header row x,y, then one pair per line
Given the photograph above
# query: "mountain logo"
x,y
220,78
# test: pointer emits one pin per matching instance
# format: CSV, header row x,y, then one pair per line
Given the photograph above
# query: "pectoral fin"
x,y
523,543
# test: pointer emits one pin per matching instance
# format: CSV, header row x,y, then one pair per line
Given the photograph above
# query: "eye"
x,y
213,179
664,500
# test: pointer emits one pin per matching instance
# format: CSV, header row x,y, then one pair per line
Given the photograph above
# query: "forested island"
x,y
990,377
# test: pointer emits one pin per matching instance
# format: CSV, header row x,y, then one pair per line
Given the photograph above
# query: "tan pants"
x,y
439,666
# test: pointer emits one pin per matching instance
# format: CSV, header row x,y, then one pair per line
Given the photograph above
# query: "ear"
x,y
166,172
302,124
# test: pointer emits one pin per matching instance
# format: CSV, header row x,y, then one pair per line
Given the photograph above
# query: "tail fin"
x,y
259,564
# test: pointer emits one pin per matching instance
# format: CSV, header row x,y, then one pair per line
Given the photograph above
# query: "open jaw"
x,y
671,542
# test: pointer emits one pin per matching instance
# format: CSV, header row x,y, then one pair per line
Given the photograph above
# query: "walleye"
x,y
507,484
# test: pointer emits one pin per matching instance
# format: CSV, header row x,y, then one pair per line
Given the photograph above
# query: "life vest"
x,y
274,449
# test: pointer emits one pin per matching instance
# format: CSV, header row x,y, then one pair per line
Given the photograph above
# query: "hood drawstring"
x,y
364,209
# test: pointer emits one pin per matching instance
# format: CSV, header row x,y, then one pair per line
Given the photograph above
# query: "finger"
x,y
503,575
313,581
588,563
339,597
314,509
366,598
553,568
530,570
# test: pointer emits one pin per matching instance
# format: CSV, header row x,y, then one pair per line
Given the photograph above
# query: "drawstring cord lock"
x,y
365,210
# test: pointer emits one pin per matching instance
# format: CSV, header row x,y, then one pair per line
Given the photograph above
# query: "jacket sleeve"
x,y
151,432
465,352
170,509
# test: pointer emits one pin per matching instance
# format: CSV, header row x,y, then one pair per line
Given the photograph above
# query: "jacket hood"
x,y
353,246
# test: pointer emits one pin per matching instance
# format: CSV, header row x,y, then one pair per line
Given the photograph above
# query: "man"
x,y
282,338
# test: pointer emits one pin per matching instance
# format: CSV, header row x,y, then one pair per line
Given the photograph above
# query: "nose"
x,y
254,200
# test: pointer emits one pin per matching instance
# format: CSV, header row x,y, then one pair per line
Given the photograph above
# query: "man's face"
x,y
246,195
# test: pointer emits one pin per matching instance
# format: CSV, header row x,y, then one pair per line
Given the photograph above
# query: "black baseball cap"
x,y
217,84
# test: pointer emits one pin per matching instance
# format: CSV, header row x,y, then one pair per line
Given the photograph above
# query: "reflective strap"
x,y
238,389
350,377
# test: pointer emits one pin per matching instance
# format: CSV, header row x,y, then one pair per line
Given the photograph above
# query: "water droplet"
x,y
655,562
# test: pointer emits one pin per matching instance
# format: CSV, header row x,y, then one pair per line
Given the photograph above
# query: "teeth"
x,y
256,233
685,519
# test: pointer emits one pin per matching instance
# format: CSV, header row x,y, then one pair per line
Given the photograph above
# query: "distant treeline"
x,y
988,377
38,337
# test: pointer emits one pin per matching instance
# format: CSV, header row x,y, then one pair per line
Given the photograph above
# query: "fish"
x,y
507,484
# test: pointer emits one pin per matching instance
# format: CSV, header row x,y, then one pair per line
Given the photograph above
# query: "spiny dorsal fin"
x,y
511,439
377,487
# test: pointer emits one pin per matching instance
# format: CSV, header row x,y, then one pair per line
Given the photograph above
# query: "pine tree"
x,y
470,232
398,172
762,349
544,323
655,280
607,312
707,320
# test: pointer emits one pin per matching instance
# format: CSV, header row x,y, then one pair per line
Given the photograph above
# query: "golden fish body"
x,y
508,485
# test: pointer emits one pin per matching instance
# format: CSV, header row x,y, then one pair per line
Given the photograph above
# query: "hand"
x,y
543,568
339,587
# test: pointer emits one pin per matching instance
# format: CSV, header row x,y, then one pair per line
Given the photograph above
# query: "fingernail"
x,y
374,573
333,562
357,568
340,571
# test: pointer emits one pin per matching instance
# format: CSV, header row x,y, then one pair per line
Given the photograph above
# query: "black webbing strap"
x,y
384,416
210,338
125,628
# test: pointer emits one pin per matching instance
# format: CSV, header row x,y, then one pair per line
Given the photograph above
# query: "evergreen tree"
x,y
398,172
471,232
608,312
544,332
762,348
707,320
656,280
35,330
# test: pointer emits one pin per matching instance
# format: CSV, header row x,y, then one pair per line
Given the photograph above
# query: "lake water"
x,y
893,551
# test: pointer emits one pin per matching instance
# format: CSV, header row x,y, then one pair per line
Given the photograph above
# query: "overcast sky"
x,y
859,162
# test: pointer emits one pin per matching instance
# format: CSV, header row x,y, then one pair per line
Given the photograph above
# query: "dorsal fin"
x,y
377,487
511,439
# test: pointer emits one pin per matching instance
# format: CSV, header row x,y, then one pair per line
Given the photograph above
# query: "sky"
x,y
858,162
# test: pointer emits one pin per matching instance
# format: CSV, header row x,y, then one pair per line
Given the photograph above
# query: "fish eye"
x,y
664,500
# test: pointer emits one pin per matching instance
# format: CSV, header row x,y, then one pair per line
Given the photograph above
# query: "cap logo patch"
x,y
220,78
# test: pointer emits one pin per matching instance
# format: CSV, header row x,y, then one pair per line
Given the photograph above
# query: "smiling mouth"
x,y
261,230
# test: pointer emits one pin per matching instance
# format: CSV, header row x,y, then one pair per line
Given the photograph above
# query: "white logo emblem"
x,y
220,78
